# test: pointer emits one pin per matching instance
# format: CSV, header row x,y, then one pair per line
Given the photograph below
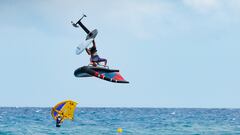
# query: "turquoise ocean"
x,y
133,121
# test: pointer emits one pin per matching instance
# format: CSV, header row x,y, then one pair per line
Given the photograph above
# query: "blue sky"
x,y
179,53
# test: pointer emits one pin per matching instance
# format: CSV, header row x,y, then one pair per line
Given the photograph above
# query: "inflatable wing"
x,y
65,109
111,75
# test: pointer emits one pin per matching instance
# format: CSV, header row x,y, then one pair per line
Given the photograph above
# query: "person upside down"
x,y
95,59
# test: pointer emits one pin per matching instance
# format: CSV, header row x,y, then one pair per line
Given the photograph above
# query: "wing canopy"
x,y
65,109
111,75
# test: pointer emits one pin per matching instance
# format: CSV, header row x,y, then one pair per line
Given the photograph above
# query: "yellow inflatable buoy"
x,y
119,130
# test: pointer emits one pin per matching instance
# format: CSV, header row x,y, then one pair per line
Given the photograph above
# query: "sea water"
x,y
133,121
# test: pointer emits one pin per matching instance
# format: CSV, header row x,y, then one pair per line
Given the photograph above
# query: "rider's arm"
x,y
94,44
88,51
62,120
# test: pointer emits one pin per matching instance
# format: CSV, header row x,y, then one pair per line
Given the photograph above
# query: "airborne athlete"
x,y
95,59
95,69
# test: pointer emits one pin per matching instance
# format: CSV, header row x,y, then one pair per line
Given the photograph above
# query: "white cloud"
x,y
206,6
234,5
203,5
136,16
